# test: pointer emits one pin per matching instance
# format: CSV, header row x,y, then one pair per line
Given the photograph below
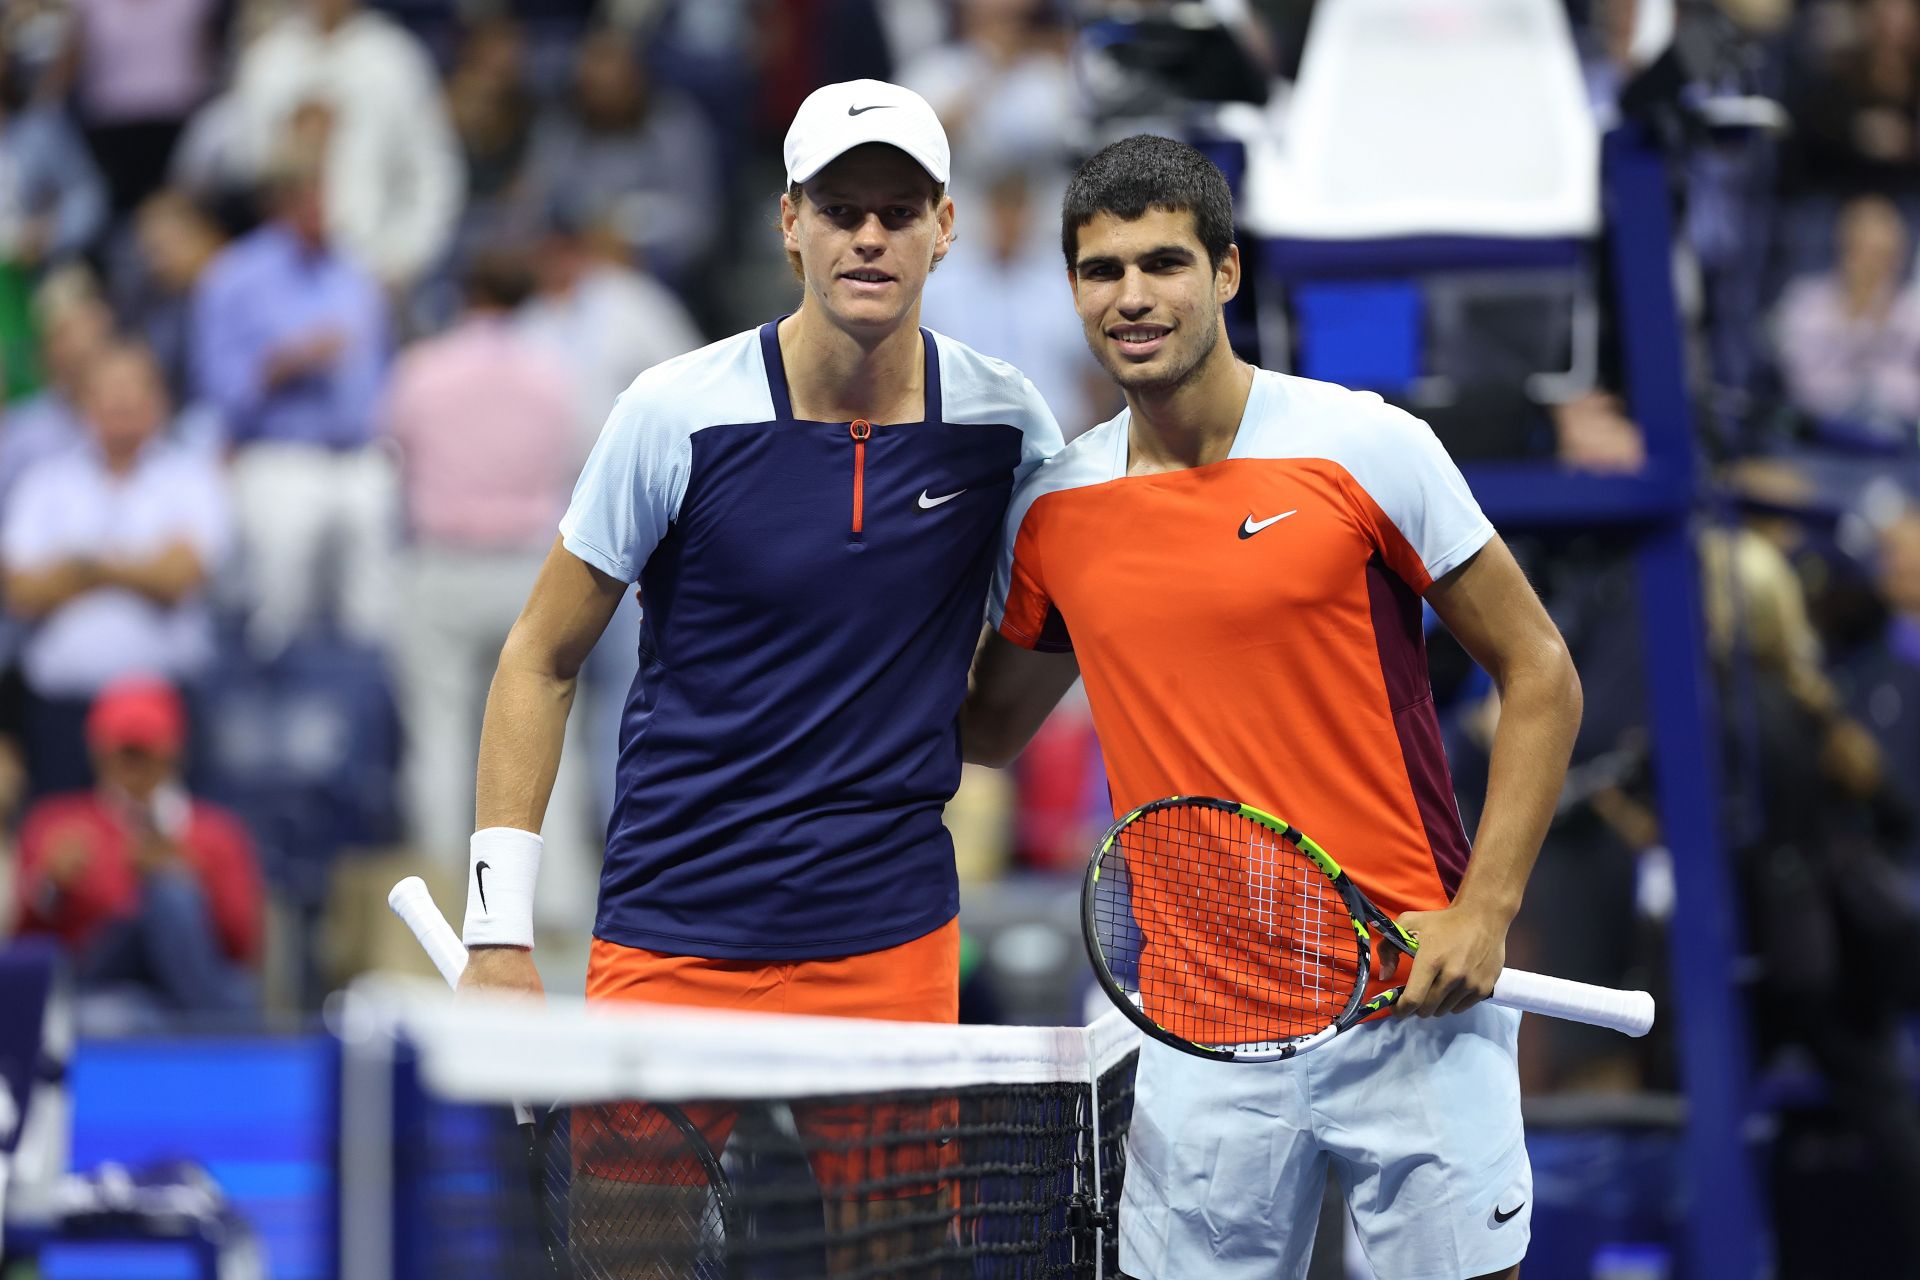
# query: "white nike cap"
x,y
836,118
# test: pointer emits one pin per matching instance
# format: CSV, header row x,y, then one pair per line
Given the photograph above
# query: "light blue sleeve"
x,y
630,490
1040,434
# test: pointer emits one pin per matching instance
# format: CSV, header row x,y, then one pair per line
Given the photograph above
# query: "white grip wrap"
x,y
1626,1011
414,905
501,872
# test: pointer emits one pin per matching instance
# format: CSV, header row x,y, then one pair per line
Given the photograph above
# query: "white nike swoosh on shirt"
x,y
1253,526
928,504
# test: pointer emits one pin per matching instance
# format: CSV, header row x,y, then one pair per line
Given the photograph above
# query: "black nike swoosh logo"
x,y
480,878
878,106
1502,1217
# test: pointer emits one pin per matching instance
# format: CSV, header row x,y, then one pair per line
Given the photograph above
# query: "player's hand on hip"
x,y
503,969
1461,954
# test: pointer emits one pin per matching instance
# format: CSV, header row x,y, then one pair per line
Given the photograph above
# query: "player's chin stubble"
x,y
1149,380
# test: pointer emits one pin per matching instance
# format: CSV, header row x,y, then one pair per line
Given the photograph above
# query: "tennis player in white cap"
x,y
811,510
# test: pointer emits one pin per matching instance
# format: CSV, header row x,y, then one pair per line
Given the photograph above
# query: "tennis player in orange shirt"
x,y
1236,563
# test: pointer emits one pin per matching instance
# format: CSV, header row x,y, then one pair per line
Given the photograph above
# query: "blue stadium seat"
x,y
305,749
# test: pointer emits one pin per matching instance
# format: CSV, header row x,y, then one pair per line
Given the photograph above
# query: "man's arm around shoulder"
x,y
1010,692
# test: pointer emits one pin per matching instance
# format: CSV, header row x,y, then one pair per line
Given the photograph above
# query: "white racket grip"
x,y
1630,1012
414,905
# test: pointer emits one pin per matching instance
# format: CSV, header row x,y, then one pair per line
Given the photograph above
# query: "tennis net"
x,y
684,1143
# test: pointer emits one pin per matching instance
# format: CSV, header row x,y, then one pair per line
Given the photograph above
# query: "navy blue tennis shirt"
x,y
811,593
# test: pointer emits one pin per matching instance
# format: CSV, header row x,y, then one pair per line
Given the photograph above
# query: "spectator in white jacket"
x,y
395,180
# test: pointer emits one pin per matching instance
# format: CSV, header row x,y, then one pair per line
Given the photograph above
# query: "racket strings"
x,y
1224,930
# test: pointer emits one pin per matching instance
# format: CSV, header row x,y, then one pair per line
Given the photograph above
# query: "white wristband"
x,y
505,863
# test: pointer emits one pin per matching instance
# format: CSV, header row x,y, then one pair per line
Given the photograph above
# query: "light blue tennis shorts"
x,y
1420,1117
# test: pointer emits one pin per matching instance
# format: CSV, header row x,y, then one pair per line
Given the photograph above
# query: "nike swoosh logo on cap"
x,y
1253,526
878,106
928,504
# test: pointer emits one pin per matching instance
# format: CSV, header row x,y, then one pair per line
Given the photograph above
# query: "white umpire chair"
x,y
1448,144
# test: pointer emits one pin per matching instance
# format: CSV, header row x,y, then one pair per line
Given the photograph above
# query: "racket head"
x,y
1223,931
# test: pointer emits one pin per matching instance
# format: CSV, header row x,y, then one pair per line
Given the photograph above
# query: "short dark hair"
x,y
1128,177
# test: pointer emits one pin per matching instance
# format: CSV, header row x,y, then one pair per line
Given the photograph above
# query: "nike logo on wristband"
x,y
480,879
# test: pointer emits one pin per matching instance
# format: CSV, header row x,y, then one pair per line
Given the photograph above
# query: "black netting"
x,y
986,1181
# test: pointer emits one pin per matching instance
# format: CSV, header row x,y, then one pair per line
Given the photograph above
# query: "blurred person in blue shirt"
x,y
290,347
53,203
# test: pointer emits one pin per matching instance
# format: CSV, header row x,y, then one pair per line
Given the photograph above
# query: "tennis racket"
x,y
411,901
1228,933
616,1227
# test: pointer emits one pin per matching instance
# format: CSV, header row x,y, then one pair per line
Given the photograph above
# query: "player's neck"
x,y
1192,424
836,376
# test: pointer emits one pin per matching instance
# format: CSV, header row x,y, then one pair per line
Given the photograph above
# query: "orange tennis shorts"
x,y
852,1143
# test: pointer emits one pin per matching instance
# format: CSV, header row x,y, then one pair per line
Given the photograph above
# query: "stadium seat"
x,y
305,748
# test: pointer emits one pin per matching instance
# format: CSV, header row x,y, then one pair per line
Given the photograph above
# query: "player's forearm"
x,y
520,740
1540,705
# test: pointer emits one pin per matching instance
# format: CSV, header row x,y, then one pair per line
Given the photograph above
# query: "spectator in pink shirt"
x,y
486,424
1850,340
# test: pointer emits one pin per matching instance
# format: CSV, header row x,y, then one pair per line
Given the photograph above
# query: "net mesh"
x,y
981,1177
1223,929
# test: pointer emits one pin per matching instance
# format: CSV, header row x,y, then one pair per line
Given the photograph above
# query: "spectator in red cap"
x,y
156,895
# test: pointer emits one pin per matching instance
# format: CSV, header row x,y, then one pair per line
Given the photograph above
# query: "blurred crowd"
x,y
309,312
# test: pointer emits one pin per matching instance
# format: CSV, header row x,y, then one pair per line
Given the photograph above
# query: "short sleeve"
x,y
630,489
1040,436
1426,521
1018,606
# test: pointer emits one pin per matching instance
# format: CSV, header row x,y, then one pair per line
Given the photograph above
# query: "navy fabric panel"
x,y
790,740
